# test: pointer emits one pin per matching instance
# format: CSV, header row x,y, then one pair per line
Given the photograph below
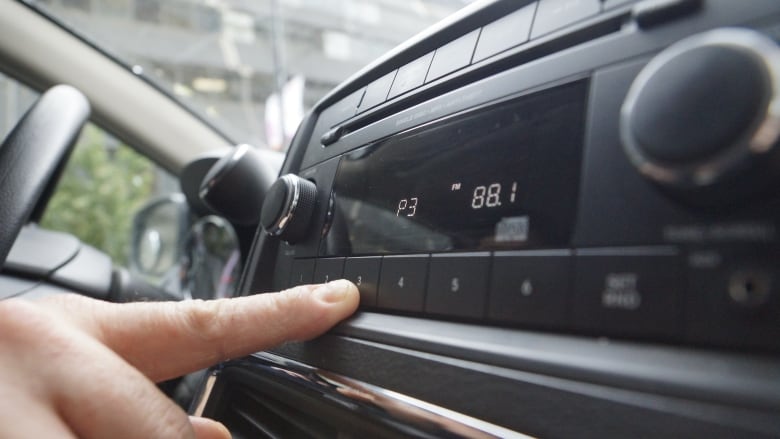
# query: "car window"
x,y
251,68
102,186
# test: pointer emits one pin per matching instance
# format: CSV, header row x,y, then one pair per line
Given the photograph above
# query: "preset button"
x,y
530,287
402,282
457,285
364,272
302,272
328,269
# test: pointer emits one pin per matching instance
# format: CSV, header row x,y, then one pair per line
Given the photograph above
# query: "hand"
x,y
77,367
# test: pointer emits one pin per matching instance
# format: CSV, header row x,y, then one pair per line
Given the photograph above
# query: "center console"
x,y
562,216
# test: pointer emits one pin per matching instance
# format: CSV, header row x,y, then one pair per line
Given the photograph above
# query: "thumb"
x,y
207,429
167,339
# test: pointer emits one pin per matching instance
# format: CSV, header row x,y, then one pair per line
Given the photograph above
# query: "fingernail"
x,y
332,292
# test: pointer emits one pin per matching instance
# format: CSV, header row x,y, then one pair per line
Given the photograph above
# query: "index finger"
x,y
168,339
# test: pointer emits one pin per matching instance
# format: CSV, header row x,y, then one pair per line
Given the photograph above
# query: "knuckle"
x,y
201,318
297,316
18,315
292,299
207,321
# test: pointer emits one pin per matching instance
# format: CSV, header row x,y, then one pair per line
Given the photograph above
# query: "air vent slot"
x,y
249,417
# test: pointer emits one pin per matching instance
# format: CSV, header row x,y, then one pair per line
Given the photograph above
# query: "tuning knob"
x,y
288,208
703,116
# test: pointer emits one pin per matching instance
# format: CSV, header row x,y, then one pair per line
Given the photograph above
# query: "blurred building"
x,y
228,59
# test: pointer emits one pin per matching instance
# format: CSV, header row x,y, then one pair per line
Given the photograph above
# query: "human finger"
x,y
167,339
81,382
208,429
22,415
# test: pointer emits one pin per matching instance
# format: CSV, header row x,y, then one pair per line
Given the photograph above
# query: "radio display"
x,y
504,176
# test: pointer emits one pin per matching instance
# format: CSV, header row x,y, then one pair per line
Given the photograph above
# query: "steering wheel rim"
x,y
32,153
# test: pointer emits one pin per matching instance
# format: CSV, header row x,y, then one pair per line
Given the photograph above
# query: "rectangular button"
x,y
302,272
505,33
452,56
457,285
343,109
628,294
531,287
402,282
410,76
364,272
328,269
377,91
556,14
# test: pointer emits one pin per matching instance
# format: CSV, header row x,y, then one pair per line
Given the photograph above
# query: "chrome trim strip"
x,y
203,397
385,405
294,203
292,182
451,421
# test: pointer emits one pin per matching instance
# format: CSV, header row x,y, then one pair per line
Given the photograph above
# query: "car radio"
x,y
563,218
588,167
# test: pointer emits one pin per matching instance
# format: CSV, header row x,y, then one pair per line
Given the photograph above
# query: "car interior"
x,y
562,216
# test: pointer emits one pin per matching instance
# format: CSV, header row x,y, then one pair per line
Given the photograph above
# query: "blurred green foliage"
x,y
103,185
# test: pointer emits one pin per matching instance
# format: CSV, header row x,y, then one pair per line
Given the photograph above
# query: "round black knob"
x,y
288,208
706,111
235,184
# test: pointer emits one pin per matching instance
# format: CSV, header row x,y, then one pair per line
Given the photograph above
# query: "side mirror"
x,y
158,236
211,263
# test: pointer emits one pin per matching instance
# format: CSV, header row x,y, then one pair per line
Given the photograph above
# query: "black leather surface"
x,y
31,154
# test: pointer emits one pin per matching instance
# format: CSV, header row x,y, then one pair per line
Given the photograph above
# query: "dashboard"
x,y
562,216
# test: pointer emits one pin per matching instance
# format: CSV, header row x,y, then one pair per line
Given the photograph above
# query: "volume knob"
x,y
288,208
703,116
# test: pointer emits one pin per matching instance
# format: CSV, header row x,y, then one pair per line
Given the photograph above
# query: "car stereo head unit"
x,y
562,217
605,169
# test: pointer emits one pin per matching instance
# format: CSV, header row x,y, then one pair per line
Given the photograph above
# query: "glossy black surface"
x,y
465,183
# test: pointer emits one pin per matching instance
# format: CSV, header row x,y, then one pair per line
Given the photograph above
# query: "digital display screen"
x,y
504,176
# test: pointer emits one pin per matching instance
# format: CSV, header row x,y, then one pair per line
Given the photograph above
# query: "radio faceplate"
x,y
508,200
500,177
649,313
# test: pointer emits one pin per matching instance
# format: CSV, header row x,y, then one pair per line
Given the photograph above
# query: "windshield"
x,y
252,68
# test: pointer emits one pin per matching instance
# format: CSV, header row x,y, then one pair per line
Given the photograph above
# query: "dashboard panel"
x,y
562,218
